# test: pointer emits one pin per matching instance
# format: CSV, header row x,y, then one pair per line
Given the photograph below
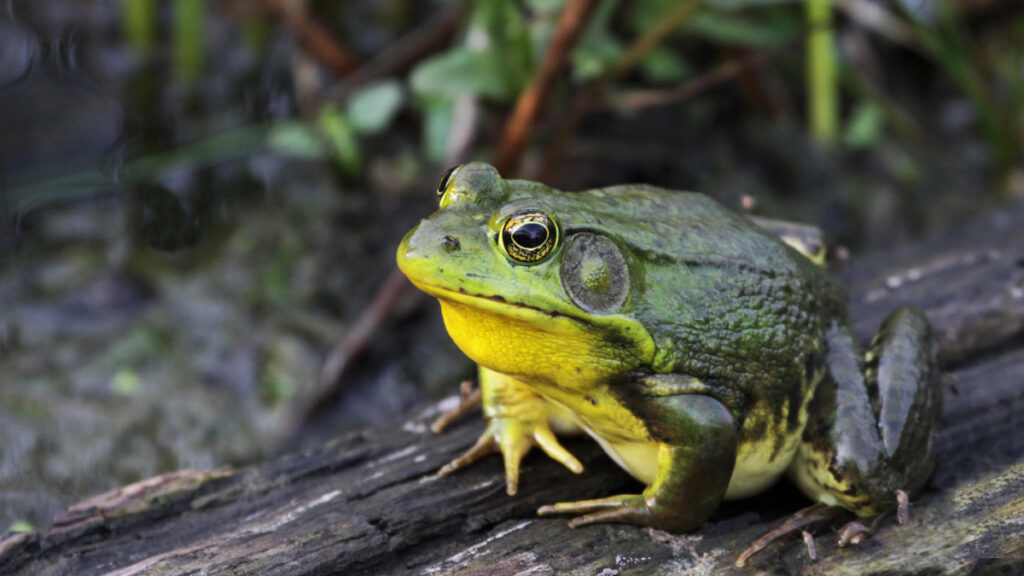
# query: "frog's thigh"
x,y
697,450
872,423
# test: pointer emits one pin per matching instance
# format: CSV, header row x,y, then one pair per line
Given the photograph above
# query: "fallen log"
x,y
369,503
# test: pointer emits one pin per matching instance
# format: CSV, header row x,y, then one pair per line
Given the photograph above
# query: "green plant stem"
x,y
822,89
139,18
189,20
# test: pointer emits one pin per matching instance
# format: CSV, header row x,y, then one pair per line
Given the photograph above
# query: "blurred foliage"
x,y
21,526
502,41
189,40
988,68
140,24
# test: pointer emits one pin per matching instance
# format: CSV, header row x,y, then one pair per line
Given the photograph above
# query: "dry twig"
x,y
520,124
723,73
588,98
317,39
354,342
432,36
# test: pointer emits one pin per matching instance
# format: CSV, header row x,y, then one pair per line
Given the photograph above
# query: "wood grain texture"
x,y
368,503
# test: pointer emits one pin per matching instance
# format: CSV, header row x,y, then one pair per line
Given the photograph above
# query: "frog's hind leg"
x,y
870,429
871,426
697,451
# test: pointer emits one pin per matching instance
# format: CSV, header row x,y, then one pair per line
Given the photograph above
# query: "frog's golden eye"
x,y
529,236
443,184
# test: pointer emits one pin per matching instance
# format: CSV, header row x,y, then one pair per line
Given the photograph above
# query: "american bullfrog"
x,y
706,352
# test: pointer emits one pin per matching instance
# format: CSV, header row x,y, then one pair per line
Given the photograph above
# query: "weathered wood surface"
x,y
369,504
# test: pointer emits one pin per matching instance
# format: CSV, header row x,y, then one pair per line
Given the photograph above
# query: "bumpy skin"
x,y
703,353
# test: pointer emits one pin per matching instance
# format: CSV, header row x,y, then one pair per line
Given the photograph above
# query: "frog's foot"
x,y
639,509
810,517
469,398
694,465
626,508
514,438
855,532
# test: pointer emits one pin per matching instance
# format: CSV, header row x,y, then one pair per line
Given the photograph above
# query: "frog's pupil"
x,y
444,180
530,235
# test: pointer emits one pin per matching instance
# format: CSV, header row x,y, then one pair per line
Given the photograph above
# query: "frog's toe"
x,y
469,399
513,449
812,516
484,445
514,438
588,506
548,442
628,509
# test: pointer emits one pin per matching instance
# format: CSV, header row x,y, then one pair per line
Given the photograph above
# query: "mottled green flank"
x,y
707,353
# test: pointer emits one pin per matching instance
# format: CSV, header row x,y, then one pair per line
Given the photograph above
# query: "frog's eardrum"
x,y
595,274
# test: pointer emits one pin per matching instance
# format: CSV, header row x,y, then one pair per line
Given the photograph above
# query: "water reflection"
x,y
19,55
152,251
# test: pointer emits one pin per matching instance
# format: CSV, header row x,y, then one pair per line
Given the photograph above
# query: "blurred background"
x,y
200,201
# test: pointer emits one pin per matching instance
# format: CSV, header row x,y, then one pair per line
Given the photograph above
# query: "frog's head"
x,y
525,288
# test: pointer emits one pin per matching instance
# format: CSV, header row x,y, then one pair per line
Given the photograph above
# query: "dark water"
x,y
168,282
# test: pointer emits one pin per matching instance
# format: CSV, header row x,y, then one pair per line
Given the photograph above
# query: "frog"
x,y
708,353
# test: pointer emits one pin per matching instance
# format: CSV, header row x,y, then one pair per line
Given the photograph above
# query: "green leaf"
x,y
125,382
589,62
509,39
342,138
21,526
462,71
730,29
646,14
295,139
371,108
738,4
865,125
598,48
664,66
438,112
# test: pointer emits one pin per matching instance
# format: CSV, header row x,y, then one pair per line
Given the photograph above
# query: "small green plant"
x,y
822,89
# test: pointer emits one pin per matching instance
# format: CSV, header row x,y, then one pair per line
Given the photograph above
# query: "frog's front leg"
x,y
872,423
517,420
697,440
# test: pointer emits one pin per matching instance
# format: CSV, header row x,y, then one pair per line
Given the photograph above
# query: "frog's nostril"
x,y
451,243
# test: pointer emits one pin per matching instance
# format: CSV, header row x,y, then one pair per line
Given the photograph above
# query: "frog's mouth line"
x,y
496,304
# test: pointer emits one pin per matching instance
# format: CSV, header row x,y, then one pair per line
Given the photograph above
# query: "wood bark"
x,y
369,503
